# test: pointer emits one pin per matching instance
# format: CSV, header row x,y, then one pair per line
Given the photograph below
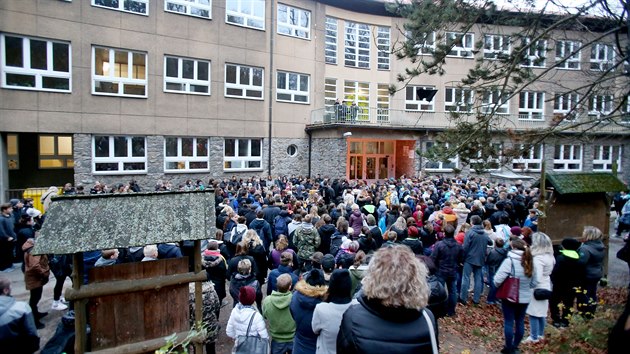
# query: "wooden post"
x,y
198,295
543,202
80,315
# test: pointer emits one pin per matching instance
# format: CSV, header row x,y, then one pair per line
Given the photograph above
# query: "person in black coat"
x,y
325,233
447,256
382,323
412,241
566,277
242,251
216,269
493,262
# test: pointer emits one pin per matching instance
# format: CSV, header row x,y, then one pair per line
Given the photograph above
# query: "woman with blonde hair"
x,y
257,251
282,245
544,261
395,294
591,254
400,228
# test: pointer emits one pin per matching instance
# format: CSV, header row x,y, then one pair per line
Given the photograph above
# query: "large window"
x,y
492,162
458,99
119,72
462,44
292,87
604,156
119,155
440,165
330,94
534,55
600,105
186,155
186,75
382,103
566,105
331,40
567,158
242,154
420,98
382,44
426,44
197,8
495,100
569,51
13,152
294,22
357,50
358,93
496,46
35,64
602,56
140,7
531,105
246,13
55,151
243,81
530,160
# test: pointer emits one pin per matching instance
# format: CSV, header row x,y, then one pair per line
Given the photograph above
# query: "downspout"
x,y
310,142
271,43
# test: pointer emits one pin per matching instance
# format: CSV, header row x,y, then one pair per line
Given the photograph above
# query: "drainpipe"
x,y
271,43
310,141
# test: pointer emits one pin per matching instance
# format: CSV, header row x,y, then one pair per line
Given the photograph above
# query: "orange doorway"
x,y
371,159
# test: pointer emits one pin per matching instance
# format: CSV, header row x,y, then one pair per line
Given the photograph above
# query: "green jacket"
x,y
275,309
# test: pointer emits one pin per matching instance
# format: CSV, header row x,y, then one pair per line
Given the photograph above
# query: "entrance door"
x,y
383,167
356,167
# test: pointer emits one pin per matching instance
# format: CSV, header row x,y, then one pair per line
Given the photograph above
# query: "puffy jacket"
x,y
36,269
526,284
239,321
369,327
169,250
356,223
239,281
476,242
273,278
414,244
305,298
495,258
568,271
447,255
263,229
592,257
17,327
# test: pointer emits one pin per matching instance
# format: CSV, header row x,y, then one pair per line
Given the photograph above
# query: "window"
x,y
242,154
565,105
119,72
330,94
292,150
382,103
55,151
35,64
359,93
243,81
567,157
197,8
331,40
493,160
140,7
382,44
531,105
604,156
462,44
186,155
119,155
420,98
534,54
294,22
426,43
602,56
13,152
569,51
292,87
246,13
184,75
357,51
496,46
440,165
495,101
530,159
458,99
600,105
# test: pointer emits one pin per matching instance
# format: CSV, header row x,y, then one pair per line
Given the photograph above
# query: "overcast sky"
x,y
552,5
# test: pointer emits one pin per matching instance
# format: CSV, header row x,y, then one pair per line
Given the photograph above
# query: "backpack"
x,y
280,226
238,237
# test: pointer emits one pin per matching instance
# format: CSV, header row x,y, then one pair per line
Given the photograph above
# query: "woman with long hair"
x,y
591,254
519,263
400,228
542,251
257,251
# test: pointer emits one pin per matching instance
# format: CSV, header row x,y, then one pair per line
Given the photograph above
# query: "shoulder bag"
x,y
508,290
249,344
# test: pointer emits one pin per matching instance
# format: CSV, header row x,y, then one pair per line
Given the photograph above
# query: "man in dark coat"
x,y
566,277
325,233
447,255
17,328
476,242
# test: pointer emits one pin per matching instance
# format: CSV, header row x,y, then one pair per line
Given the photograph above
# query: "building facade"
x,y
196,89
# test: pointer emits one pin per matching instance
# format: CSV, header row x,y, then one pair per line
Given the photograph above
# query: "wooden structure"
x,y
132,307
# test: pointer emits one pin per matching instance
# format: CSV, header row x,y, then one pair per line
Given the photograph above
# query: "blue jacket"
x,y
476,242
303,303
266,237
447,255
167,250
274,274
17,329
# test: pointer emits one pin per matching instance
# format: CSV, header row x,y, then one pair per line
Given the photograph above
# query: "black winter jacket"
x,y
495,258
325,233
592,257
447,255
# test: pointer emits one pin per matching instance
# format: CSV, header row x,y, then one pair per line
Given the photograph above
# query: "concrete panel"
x,y
138,124
287,130
101,36
256,110
170,46
18,99
202,50
231,128
18,22
137,106
231,35
101,16
231,108
61,102
171,126
59,9
202,30
101,104
255,130
18,120
59,122
203,127
141,23
170,24
101,123
57,29
199,106
170,104
19,5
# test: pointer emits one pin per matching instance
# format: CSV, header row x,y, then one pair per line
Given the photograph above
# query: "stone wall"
x,y
329,157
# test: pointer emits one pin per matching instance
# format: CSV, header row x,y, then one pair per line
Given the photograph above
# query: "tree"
x,y
590,97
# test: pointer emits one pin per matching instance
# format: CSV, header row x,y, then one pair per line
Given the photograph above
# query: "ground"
x,y
474,330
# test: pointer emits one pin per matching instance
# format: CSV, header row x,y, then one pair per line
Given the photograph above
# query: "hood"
x,y
307,226
570,254
597,245
211,259
284,213
450,242
28,244
309,290
279,300
5,303
392,314
478,229
328,228
515,255
356,213
447,210
338,235
358,272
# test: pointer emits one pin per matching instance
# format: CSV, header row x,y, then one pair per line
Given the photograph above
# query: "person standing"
x,y
308,293
17,327
36,274
328,314
275,308
7,237
476,242
542,251
447,255
592,255
306,239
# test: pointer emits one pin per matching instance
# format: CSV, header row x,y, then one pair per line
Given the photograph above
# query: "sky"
x,y
553,6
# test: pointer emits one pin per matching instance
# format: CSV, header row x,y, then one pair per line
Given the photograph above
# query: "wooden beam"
x,y
126,286
147,345
198,292
80,315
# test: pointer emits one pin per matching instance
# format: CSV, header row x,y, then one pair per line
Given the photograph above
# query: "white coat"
x,y
543,265
239,321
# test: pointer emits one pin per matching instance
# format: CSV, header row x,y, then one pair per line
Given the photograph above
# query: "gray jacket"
x,y
476,242
526,283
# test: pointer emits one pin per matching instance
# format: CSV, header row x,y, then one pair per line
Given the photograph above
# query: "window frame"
x,y
13,151
119,80
330,94
575,58
602,64
293,93
532,54
121,6
558,157
498,148
37,74
189,7
353,92
357,51
293,28
383,44
430,104
530,159
187,83
120,160
330,40
600,101
531,113
383,103
440,164
427,47
598,157
461,51
488,102
247,158
246,87
246,16
566,104
494,54
67,160
459,97
186,160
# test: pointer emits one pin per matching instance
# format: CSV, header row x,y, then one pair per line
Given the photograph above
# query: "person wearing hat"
x,y
309,292
327,315
412,241
328,265
242,314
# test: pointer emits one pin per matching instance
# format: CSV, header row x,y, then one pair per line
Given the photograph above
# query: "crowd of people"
x,y
332,265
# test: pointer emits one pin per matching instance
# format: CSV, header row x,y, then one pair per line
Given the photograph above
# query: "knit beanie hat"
x,y
315,278
340,286
246,295
412,231
515,230
569,243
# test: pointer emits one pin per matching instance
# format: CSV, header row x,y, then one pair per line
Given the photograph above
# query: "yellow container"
x,y
36,193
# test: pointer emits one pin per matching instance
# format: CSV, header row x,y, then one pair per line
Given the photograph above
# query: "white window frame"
x,y
245,11
463,50
498,147
186,82
121,6
357,55
330,48
67,160
600,105
462,99
382,103
383,42
330,94
189,7
185,161
530,160
421,105
120,160
293,93
602,61
566,49
37,74
496,45
440,165
427,47
537,111
606,163
296,30
494,98
119,80
576,154
249,86
566,105
244,159
355,92
533,53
